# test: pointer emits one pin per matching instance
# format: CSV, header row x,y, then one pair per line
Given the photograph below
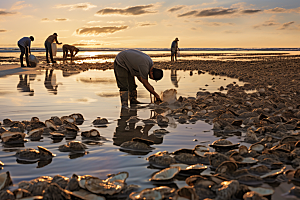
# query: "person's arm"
x,y
149,87
57,41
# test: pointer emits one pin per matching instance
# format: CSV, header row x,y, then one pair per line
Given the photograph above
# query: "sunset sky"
x,y
153,24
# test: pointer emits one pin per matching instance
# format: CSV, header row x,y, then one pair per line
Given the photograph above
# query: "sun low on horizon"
x,y
153,24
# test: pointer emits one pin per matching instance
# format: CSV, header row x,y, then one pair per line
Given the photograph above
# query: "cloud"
x,y
61,19
193,12
216,12
283,10
99,31
146,24
218,24
232,32
3,12
83,6
55,20
266,24
176,8
3,30
285,25
133,10
93,22
45,20
19,5
251,11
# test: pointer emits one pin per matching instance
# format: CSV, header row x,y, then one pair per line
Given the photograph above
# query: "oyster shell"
x,y
186,192
198,180
135,146
273,173
91,134
36,133
100,121
50,124
133,119
190,170
228,189
78,118
161,159
98,186
5,180
21,193
200,150
262,191
258,147
222,144
13,137
165,174
226,167
216,159
45,154
73,146
259,170
243,150
121,176
250,180
294,191
190,159
68,119
28,155
157,193
253,196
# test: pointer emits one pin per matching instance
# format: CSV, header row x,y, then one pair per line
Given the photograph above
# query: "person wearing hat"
x,y
24,45
48,45
174,49
128,64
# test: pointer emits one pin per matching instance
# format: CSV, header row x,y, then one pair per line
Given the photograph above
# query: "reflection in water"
x,y
41,163
50,82
126,132
174,78
24,85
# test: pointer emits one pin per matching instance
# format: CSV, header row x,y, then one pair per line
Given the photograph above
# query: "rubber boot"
x,y
133,97
21,61
124,99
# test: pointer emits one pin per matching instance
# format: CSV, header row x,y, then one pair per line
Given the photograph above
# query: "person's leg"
x,y
132,90
50,52
175,54
121,75
47,50
64,55
22,49
26,56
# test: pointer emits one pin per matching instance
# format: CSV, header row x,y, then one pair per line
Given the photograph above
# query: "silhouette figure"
x,y
50,82
174,79
24,85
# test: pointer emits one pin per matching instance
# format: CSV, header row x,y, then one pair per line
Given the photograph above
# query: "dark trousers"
x,y
48,50
24,51
125,80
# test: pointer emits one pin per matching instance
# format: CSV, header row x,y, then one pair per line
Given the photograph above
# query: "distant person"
x,y
128,64
72,49
24,45
24,85
174,49
48,45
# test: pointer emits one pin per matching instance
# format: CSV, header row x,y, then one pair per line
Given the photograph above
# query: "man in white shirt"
x,y
24,45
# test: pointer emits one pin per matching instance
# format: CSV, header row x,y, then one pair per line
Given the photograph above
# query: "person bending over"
x,y
73,51
24,45
128,64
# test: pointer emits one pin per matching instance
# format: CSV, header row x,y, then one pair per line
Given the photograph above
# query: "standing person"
x,y
128,64
174,49
48,45
24,45
73,51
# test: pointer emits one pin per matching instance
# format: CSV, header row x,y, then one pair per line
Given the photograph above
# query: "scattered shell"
x,y
226,167
165,174
223,144
133,119
100,121
68,119
35,133
186,192
250,180
13,137
5,180
73,146
161,159
98,186
262,191
121,176
259,147
162,121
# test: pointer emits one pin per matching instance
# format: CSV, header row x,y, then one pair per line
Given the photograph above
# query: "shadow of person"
x,y
127,131
24,85
50,82
174,79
